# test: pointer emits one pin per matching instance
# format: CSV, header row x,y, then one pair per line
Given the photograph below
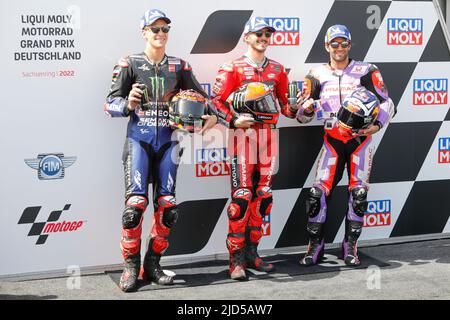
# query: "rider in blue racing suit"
x,y
143,85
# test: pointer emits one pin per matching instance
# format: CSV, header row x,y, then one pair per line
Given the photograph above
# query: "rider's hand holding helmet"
x,y
359,110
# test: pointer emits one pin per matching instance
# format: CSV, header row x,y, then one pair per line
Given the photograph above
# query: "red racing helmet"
x,y
257,99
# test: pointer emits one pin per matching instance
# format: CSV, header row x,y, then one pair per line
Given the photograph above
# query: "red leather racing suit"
x,y
253,151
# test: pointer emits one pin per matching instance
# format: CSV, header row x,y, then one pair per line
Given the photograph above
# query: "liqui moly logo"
x,y
430,91
206,87
444,150
378,213
287,31
211,162
404,31
265,227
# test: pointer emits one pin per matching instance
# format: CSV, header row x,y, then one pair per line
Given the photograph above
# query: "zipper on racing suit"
x,y
156,103
339,75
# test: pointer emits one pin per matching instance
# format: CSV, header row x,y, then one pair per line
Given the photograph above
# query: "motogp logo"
x,y
43,229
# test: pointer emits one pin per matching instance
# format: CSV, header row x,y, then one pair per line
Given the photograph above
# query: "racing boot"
x,y
254,261
130,274
349,245
153,271
316,246
237,265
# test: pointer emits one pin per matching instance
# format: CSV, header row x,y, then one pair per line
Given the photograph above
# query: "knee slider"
x,y
132,214
359,200
239,204
354,229
170,216
131,218
265,197
313,204
170,210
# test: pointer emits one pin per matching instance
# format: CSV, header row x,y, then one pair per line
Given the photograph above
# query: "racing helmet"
x,y
186,109
256,99
359,109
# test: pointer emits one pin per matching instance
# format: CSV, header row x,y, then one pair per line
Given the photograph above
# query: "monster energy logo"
x,y
157,86
293,89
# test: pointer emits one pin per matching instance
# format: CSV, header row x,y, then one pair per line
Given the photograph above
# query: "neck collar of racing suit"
x,y
254,64
163,61
350,62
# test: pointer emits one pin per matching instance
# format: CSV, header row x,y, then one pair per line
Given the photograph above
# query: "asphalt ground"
x,y
416,270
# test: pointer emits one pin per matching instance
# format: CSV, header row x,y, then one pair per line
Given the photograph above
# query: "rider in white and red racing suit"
x,y
330,87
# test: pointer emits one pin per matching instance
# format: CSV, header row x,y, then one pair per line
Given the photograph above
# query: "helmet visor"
x,y
351,120
188,109
265,104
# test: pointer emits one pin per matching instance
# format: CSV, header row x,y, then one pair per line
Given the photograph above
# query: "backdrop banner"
x,y
62,189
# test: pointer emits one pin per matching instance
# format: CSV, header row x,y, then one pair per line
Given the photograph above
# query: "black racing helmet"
x,y
186,109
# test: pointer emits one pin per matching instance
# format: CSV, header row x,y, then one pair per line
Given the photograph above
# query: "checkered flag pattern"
x,y
411,170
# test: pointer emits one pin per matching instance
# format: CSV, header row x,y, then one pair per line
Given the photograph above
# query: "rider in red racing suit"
x,y
251,151
330,84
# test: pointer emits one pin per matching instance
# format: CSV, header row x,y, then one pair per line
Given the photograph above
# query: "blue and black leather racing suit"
x,y
150,154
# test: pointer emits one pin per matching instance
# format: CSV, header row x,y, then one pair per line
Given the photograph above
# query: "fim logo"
x,y
378,213
265,226
50,165
288,31
212,162
404,31
430,91
444,150
43,229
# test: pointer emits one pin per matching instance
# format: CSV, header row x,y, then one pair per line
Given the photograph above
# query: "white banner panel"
x,y
62,190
